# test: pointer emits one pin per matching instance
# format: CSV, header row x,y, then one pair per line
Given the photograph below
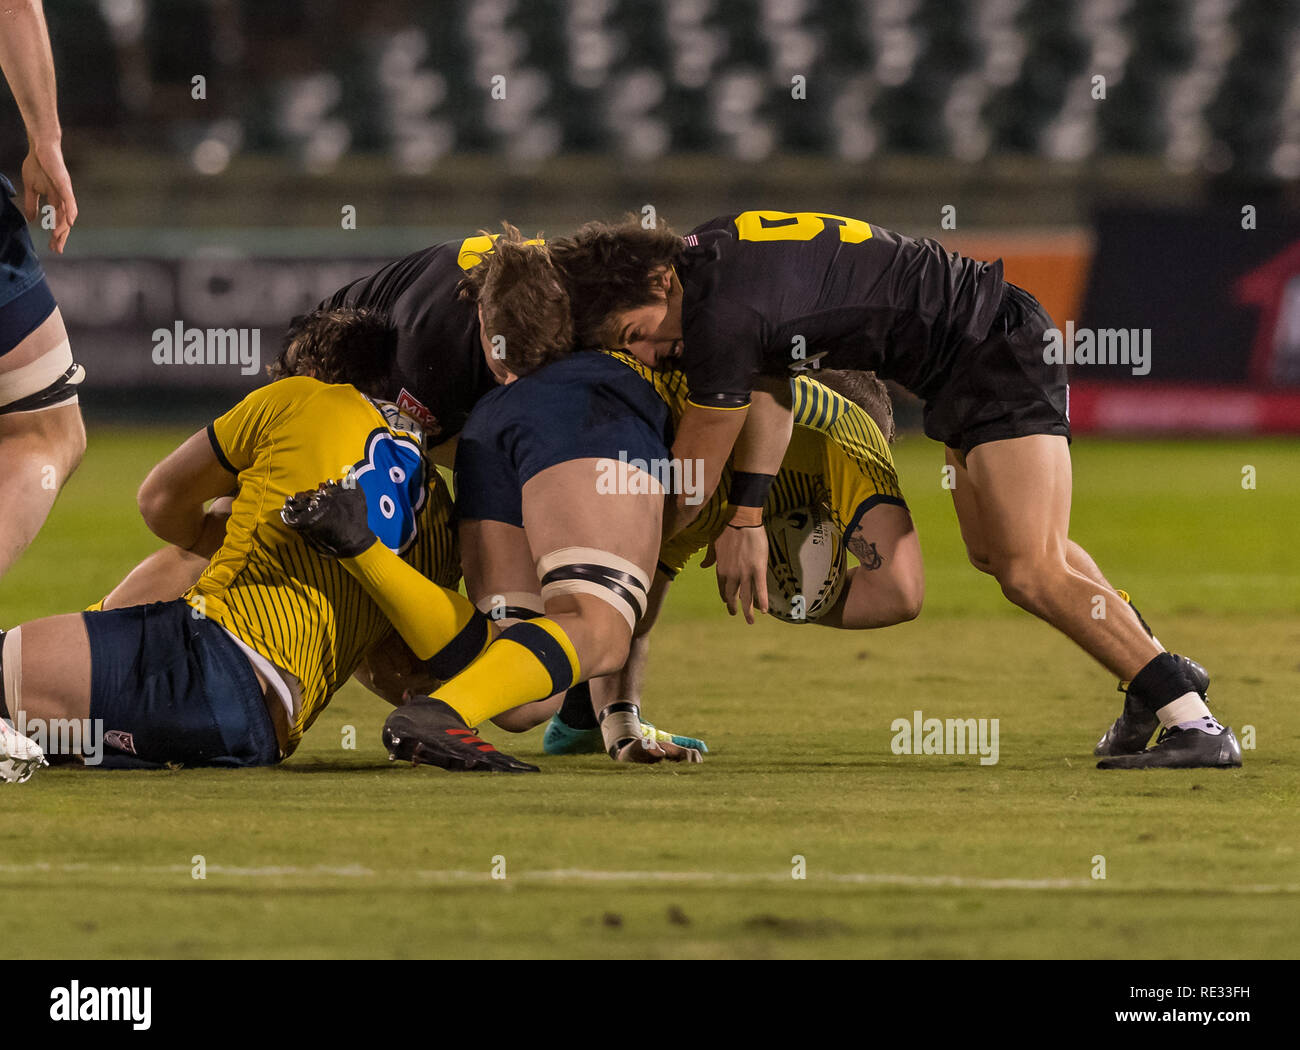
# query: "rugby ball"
x,y
806,564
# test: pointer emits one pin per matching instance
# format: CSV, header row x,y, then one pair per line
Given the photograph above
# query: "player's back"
x,y
301,611
439,370
780,289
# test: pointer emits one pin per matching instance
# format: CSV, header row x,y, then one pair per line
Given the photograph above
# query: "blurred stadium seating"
x,y
434,119
1208,85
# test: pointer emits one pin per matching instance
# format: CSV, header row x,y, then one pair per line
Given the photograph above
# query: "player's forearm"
x,y
162,577
625,683
705,437
28,65
629,681
764,438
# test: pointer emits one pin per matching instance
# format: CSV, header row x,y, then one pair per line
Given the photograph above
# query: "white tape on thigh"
x,y
499,607
12,658
35,376
585,570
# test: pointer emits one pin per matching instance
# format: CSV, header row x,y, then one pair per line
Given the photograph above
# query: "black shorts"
x,y
585,406
172,688
1001,387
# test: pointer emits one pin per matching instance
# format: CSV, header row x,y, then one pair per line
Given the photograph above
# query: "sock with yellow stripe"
x,y
440,625
530,661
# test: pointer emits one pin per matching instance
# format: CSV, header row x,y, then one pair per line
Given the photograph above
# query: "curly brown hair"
x,y
341,345
610,268
864,389
523,300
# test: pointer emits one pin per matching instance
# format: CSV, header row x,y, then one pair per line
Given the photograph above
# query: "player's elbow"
x,y
155,505
908,599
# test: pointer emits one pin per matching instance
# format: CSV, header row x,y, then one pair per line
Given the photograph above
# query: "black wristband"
x,y
749,490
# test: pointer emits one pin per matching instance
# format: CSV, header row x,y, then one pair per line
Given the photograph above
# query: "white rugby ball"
x,y
806,564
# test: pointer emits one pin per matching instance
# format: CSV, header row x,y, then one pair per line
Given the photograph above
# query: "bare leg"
x,y
55,670
562,509
501,577
1013,504
38,450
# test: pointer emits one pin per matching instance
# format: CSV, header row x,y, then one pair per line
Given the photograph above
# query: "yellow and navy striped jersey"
x,y
301,610
837,458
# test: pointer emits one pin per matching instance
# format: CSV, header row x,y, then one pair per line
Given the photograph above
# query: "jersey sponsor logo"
x,y
120,740
393,478
408,403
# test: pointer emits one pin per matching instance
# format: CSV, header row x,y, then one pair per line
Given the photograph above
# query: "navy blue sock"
x,y
576,712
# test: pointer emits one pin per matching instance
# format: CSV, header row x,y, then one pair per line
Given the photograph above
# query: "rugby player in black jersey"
x,y
450,352
745,299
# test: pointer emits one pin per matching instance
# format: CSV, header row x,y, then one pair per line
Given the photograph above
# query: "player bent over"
x,y
235,672
534,488
839,461
755,294
450,351
41,433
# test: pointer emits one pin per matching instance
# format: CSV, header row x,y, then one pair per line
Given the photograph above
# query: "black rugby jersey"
x,y
768,291
440,371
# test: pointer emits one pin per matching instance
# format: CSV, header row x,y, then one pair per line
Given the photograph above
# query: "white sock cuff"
x,y
1187,708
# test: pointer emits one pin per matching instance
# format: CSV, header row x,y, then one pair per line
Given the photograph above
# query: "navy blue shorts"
x,y
584,406
171,688
25,298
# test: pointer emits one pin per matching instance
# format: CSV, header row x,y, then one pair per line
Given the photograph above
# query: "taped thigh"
x,y
585,570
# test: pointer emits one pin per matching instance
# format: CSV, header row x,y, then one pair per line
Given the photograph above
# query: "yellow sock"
x,y
530,661
427,616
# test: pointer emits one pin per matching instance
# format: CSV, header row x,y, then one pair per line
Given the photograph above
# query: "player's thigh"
x,y
1021,496
968,515
56,435
567,505
55,668
46,336
38,364
495,559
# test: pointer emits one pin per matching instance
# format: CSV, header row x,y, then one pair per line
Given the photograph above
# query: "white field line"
x,y
560,875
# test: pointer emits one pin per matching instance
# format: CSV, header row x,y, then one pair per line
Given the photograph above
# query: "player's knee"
x,y
605,643
1025,582
69,439
54,440
980,560
609,595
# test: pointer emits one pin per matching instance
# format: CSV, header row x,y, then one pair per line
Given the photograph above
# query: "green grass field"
x,y
339,853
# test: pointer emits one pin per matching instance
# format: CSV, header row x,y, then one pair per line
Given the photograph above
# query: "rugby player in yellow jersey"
x,y
838,459
548,485
235,672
